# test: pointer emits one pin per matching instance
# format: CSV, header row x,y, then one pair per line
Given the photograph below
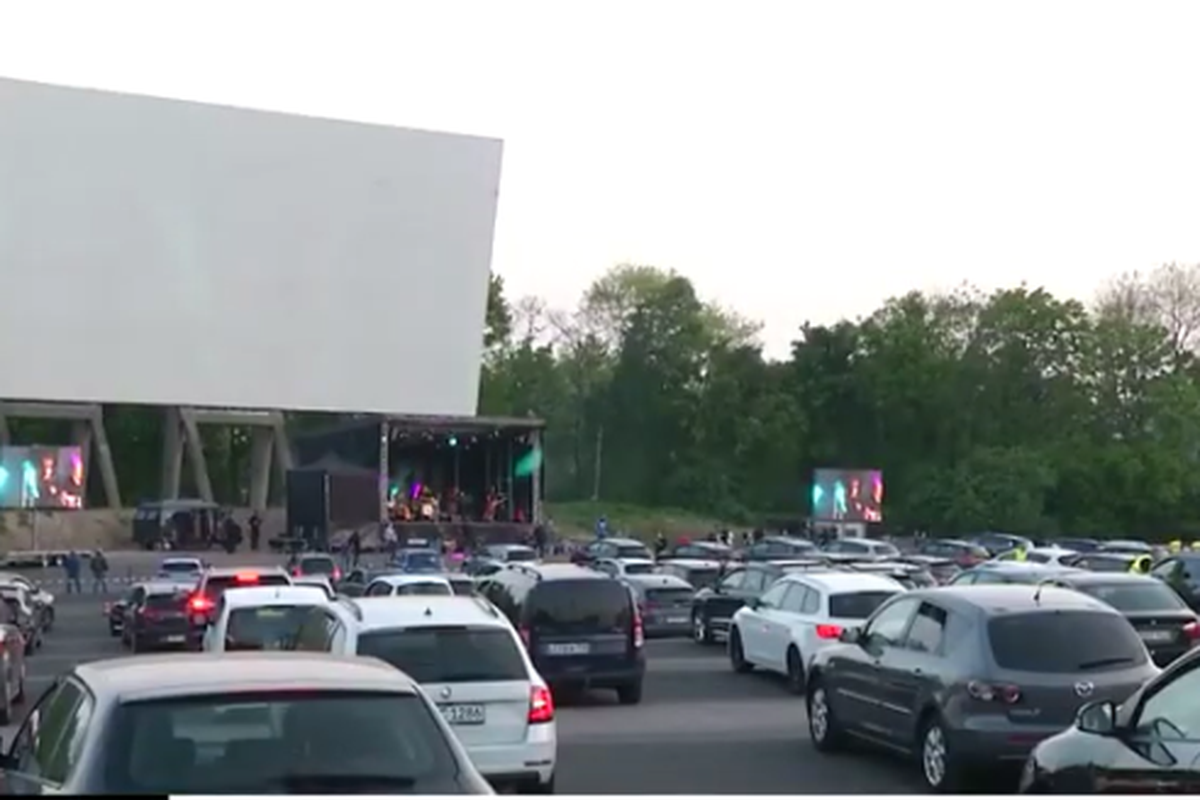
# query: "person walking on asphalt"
x,y
72,566
99,572
354,548
255,530
660,545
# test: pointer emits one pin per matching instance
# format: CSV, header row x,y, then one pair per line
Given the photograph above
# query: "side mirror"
x,y
1098,717
754,603
851,636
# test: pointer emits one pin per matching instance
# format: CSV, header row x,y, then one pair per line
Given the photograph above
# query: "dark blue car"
x,y
420,561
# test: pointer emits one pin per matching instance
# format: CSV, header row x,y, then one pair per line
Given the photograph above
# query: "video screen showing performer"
x,y
847,495
42,477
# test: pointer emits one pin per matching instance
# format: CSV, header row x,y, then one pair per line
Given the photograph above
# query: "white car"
x,y
259,618
180,568
783,629
42,600
407,584
1054,556
468,658
623,567
320,581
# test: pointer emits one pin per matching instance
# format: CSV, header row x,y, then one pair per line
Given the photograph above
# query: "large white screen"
x,y
159,251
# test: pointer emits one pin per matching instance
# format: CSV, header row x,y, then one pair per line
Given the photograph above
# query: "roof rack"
x,y
486,605
350,605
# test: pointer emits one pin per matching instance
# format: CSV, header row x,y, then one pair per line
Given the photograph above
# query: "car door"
x,y
49,742
777,620
754,623
726,598
379,589
129,613
857,675
911,671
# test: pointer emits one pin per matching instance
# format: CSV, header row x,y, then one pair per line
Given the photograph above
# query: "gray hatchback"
x,y
972,676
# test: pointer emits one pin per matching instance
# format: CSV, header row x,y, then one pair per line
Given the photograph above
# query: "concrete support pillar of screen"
x,y
88,417
535,443
269,447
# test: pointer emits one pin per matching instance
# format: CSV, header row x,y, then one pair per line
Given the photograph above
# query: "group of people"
x,y
72,565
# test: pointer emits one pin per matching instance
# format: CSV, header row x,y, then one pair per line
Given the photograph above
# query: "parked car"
x,y
12,665
665,602
700,551
857,549
24,615
42,600
611,547
964,554
713,608
774,548
701,574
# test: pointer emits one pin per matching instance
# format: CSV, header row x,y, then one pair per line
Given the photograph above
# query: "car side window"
x,y
889,624
812,602
43,730
773,597
928,629
378,589
70,746
314,633
964,579
733,581
1173,712
793,601
755,581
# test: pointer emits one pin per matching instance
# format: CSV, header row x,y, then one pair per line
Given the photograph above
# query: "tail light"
x,y
1004,693
337,574
639,632
524,635
200,604
829,631
1192,631
250,577
541,705
295,572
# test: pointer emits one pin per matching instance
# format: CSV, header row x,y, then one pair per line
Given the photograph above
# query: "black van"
x,y
582,628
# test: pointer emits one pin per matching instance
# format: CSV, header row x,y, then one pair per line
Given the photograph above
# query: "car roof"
x,y
272,595
622,541
556,572
693,563
837,582
996,599
179,560
164,587
788,563
658,581
630,561
314,556
407,578
184,674
424,610
1085,578
229,572
785,538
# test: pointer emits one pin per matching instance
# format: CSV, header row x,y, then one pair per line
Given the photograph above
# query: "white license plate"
x,y
464,714
574,649
173,639
677,620
1156,637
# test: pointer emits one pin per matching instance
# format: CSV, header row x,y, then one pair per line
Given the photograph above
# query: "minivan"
x,y
583,629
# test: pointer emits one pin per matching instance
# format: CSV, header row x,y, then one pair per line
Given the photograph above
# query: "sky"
x,y
796,160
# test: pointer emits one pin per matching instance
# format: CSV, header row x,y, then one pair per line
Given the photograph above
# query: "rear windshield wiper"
x,y
332,783
1106,662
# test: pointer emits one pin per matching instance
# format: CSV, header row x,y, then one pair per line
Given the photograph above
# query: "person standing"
x,y
354,548
72,566
602,527
390,541
660,544
255,531
99,572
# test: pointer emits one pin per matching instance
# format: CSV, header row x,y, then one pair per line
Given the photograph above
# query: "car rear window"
x,y
856,605
675,595
216,585
464,587
359,742
701,578
449,654
424,588
318,566
521,554
632,551
1064,641
1133,597
263,627
431,561
580,606
166,602
179,568
639,569
1094,564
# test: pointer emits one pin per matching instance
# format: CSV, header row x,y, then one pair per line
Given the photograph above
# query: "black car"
x,y
714,607
612,547
1167,626
774,548
941,568
1182,573
700,551
582,628
155,616
1146,744
358,579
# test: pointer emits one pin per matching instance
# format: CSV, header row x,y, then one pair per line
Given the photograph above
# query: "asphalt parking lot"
x,y
700,728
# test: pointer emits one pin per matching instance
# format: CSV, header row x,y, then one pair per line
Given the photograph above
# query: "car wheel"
x,y
701,633
938,768
737,657
630,694
823,726
795,671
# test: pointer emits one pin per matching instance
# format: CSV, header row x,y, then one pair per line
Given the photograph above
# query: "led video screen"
x,y
42,477
847,495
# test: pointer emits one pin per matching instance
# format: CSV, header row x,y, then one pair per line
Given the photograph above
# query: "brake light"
x,y
200,603
249,577
1192,631
639,632
1004,693
829,631
337,574
541,705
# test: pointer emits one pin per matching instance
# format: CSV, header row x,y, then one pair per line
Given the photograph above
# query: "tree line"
x,y
1012,410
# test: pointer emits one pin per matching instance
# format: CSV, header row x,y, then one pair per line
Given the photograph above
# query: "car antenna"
x,y
428,611
1037,596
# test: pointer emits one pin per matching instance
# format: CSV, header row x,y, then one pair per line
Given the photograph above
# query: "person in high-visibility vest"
x,y
1175,546
1020,555
1196,545
1140,565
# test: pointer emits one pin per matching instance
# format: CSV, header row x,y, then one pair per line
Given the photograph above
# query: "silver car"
x,y
665,602
237,723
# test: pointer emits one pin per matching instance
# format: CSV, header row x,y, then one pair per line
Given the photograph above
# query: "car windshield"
x,y
1067,641
1133,597
263,627
448,654
321,565
632,551
463,586
670,596
639,569
325,742
856,605
166,602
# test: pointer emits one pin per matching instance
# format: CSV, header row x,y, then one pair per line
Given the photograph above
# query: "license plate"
x,y
1157,637
574,649
173,639
464,714
677,620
